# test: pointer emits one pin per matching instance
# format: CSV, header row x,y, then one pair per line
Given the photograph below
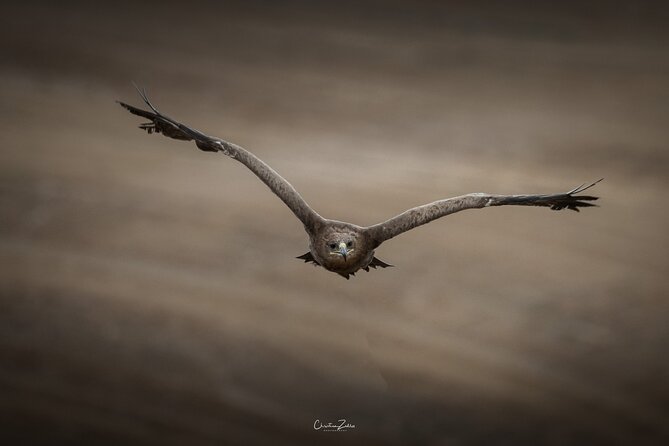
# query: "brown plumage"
x,y
340,247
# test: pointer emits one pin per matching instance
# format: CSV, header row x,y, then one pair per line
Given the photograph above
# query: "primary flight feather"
x,y
341,247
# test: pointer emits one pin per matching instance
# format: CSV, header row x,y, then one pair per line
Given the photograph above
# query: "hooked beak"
x,y
343,250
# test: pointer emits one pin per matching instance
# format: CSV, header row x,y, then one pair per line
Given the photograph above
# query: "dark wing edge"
x,y
161,123
567,200
424,214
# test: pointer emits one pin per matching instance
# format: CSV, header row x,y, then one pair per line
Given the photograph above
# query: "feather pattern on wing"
x,y
160,123
424,214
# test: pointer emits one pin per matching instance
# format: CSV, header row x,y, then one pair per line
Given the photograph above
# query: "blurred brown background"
x,y
149,292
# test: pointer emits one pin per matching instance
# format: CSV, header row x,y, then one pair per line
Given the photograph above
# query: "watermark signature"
x,y
339,426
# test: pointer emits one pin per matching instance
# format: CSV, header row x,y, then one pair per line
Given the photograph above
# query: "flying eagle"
x,y
337,246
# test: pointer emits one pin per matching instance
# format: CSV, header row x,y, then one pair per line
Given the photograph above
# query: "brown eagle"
x,y
337,246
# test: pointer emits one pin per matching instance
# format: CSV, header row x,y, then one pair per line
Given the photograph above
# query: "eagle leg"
x,y
308,257
376,263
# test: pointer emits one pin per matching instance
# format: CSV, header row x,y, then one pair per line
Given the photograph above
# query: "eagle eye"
x,y
333,246
349,244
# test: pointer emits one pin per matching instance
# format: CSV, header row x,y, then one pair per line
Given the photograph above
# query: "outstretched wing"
x,y
424,214
160,123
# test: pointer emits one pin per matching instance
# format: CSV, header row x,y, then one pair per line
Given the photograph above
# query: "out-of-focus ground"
x,y
149,292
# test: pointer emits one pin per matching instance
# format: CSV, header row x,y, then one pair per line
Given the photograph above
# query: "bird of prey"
x,y
337,246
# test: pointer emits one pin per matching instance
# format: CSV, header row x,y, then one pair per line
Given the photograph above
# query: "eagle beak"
x,y
343,250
